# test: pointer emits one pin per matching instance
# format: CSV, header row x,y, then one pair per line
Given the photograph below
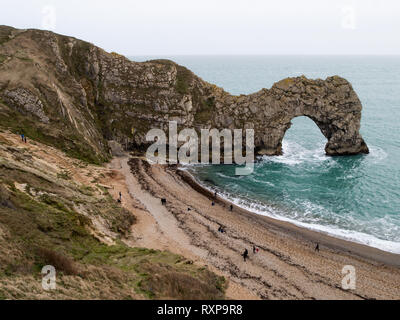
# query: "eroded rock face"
x,y
101,96
26,102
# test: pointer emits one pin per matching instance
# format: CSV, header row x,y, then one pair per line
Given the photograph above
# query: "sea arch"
x,y
331,104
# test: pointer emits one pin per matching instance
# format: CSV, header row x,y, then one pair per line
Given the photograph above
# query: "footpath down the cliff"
x,y
59,211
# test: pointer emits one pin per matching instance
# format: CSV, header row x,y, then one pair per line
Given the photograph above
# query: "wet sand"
x,y
286,267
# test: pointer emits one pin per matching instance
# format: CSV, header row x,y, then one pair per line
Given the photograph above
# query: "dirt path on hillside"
x,y
156,228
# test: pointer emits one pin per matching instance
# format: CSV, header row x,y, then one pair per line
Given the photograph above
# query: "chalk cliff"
x,y
76,96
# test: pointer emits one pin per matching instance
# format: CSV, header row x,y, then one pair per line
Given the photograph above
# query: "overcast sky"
x,y
174,27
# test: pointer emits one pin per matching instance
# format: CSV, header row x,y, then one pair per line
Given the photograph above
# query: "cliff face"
x,y
77,96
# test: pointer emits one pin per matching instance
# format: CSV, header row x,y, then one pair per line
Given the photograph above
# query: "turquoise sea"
x,y
355,198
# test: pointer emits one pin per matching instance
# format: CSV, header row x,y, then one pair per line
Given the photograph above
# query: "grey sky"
x,y
163,27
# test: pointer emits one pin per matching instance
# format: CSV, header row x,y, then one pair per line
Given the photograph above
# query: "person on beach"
x,y
317,248
255,250
231,208
245,255
215,195
213,204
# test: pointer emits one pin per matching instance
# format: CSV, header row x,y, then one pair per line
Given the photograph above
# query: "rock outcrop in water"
x,y
77,96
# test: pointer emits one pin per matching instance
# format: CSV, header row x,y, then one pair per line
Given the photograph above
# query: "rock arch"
x,y
332,104
107,96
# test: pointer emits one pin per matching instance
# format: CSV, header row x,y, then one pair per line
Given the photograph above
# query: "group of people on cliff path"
x,y
23,138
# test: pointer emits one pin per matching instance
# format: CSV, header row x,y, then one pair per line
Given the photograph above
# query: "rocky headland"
x,y
75,95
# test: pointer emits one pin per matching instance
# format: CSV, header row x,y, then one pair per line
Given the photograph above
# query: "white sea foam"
x,y
377,154
219,174
294,154
331,230
334,231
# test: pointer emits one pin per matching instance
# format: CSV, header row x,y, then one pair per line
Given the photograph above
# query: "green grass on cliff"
x,y
78,59
205,113
183,80
184,76
66,140
39,226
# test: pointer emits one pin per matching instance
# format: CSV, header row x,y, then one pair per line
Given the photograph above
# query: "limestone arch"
x,y
343,137
332,104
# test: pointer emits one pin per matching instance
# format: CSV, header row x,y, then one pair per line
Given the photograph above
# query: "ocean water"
x,y
355,198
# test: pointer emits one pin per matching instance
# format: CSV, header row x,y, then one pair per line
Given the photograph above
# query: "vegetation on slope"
x,y
49,216
70,142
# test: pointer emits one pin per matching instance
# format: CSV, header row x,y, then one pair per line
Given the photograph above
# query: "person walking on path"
x,y
22,137
245,255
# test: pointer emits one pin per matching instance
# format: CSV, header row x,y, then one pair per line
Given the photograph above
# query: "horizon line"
x,y
265,54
